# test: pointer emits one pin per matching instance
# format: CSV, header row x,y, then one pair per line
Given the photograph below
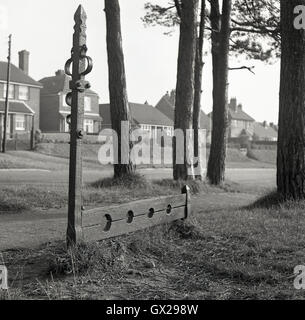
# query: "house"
x,y
167,106
144,116
54,109
264,132
24,97
239,121
274,126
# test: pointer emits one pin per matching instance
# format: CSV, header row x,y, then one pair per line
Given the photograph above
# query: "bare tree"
x,y
291,142
119,107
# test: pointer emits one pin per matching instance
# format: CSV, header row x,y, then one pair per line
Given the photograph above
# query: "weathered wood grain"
x,y
109,222
120,227
138,208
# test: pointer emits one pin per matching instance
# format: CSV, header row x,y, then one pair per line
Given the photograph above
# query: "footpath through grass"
x,y
232,252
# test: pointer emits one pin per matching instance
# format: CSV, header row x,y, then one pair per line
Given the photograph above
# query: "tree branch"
x,y
178,7
250,69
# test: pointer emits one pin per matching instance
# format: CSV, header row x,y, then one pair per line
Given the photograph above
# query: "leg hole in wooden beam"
x,y
109,223
151,213
130,216
169,209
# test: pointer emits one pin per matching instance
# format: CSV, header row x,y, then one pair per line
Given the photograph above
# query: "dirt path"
x,y
32,229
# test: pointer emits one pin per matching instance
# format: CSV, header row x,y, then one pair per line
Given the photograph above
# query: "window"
x,y
66,126
234,123
11,91
20,122
89,126
145,128
23,93
87,104
64,101
169,131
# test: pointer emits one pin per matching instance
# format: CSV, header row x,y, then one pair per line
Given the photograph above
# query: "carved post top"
x,y
81,63
80,18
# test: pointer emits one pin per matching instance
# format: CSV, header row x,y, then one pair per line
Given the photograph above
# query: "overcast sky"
x,y
45,29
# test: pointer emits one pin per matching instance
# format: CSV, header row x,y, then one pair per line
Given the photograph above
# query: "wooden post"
x,y
81,66
8,79
0,134
32,134
188,209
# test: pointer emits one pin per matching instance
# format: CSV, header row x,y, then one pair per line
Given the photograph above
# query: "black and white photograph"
x,y
154,151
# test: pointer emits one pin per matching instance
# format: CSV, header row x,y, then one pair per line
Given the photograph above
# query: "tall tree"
x,y
119,106
198,88
291,142
168,17
220,24
254,33
188,11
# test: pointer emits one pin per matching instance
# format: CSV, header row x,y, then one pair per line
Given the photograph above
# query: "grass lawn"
x,y
36,160
265,156
235,159
18,199
31,160
228,252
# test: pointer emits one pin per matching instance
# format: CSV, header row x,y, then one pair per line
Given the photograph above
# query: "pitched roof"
x,y
264,132
17,75
166,107
239,114
58,83
16,107
141,114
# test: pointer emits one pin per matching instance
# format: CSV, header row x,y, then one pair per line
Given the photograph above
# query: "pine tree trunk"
x,y
290,159
119,107
220,53
185,83
198,88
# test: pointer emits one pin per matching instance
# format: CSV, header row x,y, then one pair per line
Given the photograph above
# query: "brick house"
x,y
239,121
265,132
54,110
24,97
144,116
167,106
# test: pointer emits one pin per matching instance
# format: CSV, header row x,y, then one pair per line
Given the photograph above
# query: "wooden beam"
x,y
109,222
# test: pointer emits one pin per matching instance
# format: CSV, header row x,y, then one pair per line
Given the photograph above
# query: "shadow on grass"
x,y
119,254
195,186
133,180
111,256
137,181
275,200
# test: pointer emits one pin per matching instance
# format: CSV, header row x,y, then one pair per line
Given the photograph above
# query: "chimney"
x,y
59,73
240,107
265,124
24,61
233,104
173,97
